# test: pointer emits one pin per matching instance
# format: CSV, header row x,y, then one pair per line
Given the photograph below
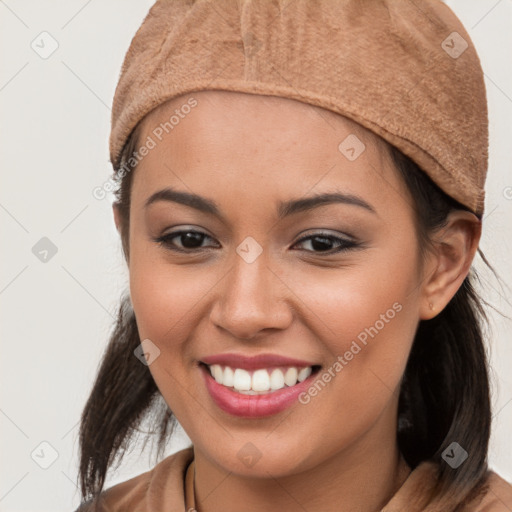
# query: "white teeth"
x,y
228,378
259,381
276,379
242,380
290,377
217,373
304,374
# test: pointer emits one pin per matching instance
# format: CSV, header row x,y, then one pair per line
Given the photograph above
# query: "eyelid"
x,y
345,242
327,233
164,240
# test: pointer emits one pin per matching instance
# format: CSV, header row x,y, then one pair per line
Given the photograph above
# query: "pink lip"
x,y
253,406
255,362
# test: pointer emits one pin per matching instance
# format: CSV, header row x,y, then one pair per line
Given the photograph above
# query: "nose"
x,y
253,297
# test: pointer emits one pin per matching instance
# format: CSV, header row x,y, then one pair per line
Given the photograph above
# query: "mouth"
x,y
257,392
259,381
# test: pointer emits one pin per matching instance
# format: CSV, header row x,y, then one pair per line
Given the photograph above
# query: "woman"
x,y
300,201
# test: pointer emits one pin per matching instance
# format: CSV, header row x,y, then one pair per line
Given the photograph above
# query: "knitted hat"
x,y
408,71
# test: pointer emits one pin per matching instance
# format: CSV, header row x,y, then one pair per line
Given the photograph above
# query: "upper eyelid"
x,y
319,232
311,232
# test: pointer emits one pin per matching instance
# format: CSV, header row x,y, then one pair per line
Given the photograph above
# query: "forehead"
x,y
246,140
218,109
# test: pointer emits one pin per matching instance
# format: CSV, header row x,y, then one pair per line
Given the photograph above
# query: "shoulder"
x,y
157,489
496,495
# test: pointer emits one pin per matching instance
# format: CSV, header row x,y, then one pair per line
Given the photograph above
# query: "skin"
x,y
247,153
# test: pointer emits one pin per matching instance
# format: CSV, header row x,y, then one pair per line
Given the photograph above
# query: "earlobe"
x,y
455,246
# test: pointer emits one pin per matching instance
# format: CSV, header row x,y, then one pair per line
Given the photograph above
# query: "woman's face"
x,y
259,278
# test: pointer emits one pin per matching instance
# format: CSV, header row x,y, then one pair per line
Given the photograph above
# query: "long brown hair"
x,y
444,394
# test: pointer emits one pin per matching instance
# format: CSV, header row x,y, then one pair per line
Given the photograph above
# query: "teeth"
x,y
217,373
276,379
259,381
304,374
241,380
228,377
290,377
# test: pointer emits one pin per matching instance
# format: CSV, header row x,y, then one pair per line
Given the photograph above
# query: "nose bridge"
x,y
251,298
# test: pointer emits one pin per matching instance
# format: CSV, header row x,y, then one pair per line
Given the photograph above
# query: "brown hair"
x,y
444,393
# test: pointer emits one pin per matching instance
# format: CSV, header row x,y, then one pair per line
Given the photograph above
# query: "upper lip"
x,y
255,362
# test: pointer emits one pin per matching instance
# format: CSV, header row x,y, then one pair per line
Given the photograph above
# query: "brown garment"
x,y
168,487
407,71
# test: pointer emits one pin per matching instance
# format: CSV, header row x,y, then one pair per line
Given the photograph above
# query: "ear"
x,y
117,216
448,265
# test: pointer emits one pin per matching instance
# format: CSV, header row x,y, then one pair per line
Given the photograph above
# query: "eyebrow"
x,y
285,208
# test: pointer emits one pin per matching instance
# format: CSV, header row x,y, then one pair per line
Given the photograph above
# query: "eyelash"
x,y
344,244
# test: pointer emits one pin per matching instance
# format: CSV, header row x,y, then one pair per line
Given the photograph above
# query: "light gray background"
x,y
56,316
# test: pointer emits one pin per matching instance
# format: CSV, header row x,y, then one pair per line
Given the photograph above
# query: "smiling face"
x,y
259,278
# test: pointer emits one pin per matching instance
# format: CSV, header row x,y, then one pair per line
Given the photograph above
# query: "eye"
x,y
323,242
189,240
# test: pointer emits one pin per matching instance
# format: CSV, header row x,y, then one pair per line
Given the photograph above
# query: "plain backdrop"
x,y
57,313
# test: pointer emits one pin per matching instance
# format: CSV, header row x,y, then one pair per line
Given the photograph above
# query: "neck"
x,y
362,478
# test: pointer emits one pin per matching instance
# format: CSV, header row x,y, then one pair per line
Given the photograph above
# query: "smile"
x,y
260,381
258,392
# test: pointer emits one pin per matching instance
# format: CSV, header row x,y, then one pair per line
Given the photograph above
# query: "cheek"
x,y
166,299
348,299
366,317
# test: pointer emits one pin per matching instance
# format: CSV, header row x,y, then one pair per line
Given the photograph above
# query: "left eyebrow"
x,y
308,203
285,208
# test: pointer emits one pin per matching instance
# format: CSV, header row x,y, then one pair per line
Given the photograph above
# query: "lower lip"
x,y
253,406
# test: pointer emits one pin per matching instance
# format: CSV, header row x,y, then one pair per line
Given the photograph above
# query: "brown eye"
x,y
191,241
188,240
322,242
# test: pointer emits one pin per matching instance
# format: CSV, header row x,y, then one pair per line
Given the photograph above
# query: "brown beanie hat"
x,y
408,71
